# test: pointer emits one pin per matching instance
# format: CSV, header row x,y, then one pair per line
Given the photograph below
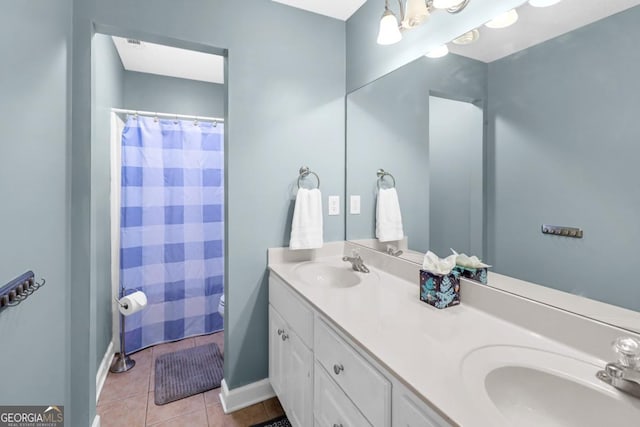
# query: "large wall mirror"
x,y
534,124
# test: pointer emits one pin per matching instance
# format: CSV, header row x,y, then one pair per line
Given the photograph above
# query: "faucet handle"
x,y
355,253
628,350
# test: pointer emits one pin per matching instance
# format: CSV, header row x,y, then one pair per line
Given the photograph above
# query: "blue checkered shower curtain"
x,y
172,228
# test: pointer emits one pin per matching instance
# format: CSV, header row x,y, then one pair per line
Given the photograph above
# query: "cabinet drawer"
x,y
294,311
369,390
332,407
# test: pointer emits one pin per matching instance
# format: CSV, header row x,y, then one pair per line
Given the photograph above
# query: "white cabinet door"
x,y
299,380
409,411
277,362
332,407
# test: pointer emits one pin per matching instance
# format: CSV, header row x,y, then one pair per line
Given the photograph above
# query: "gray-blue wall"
x,y
455,157
285,109
388,127
367,61
107,94
34,222
150,92
564,120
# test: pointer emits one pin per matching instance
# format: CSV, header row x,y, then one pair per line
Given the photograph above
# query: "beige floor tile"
x,y
192,419
130,412
215,415
158,413
152,378
253,414
217,338
212,397
143,358
123,385
273,408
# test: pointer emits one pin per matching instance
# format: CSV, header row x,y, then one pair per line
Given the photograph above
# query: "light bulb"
x,y
543,3
438,52
446,4
503,21
467,38
389,32
416,13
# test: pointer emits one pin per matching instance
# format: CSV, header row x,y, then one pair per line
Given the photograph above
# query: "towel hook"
x,y
381,174
304,172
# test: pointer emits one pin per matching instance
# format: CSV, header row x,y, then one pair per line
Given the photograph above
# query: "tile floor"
x,y
127,399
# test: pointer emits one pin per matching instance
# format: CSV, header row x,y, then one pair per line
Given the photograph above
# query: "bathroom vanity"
x,y
360,349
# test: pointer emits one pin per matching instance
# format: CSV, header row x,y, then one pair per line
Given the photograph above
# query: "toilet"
x,y
221,306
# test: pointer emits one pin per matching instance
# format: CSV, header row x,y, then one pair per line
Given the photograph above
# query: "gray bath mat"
x,y
187,372
282,421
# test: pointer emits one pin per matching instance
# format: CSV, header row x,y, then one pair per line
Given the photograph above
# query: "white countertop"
x,y
422,346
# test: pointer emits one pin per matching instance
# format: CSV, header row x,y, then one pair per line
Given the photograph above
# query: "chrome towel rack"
x,y
17,290
381,174
305,172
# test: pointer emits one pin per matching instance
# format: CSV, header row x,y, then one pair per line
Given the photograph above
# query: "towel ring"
x,y
305,172
381,174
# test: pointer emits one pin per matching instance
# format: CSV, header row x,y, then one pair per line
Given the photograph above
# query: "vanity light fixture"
x,y
438,52
504,20
414,14
467,38
389,31
451,6
543,3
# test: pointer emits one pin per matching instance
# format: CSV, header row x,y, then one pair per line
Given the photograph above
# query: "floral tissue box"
x,y
476,274
440,291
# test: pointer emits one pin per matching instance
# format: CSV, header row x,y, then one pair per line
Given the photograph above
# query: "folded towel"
x,y
306,226
388,217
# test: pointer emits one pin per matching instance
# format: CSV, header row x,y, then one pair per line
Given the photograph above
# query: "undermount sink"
x,y
530,387
325,274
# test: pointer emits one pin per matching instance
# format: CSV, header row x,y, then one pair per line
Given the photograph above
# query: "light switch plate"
x,y
354,205
334,205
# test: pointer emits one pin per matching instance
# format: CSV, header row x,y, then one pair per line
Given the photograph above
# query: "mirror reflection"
x,y
531,125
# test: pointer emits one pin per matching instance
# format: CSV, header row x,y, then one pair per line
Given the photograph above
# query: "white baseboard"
x,y
96,421
103,370
241,397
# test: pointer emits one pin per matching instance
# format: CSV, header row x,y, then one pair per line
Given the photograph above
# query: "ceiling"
x,y
170,61
537,25
339,9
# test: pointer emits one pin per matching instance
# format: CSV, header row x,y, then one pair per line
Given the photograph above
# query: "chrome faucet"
x,y
624,374
356,262
393,251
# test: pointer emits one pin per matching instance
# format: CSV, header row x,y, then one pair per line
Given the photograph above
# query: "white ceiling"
x,y
339,9
170,61
537,25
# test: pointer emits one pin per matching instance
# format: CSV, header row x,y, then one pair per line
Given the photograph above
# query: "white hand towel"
x,y
388,216
306,226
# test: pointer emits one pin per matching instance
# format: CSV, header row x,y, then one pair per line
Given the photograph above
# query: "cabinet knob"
x,y
337,368
285,337
337,425
280,331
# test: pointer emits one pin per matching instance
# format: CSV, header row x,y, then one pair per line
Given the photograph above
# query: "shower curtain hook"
x,y
176,121
195,122
155,117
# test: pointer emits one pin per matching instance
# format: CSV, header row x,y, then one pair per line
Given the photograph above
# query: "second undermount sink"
x,y
530,387
327,274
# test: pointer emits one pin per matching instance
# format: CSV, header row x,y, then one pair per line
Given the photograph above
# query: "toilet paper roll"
x,y
132,303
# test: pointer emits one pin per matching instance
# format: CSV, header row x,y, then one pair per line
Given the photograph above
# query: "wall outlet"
x,y
354,205
334,205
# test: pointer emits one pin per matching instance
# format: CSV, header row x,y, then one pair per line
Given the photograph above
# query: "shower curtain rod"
x,y
167,115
